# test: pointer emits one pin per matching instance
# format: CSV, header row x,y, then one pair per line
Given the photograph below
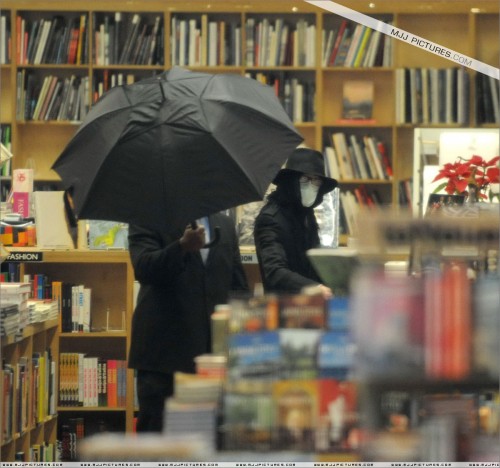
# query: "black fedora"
x,y
306,161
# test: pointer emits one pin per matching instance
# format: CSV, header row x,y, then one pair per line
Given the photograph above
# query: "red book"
x,y
386,163
112,384
338,40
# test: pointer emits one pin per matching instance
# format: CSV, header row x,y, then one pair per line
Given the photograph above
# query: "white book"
x,y
342,150
51,227
3,39
332,163
311,46
183,28
42,42
192,43
371,53
400,95
377,157
204,40
353,47
41,97
173,41
212,43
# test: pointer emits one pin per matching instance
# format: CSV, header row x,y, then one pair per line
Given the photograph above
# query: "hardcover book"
x,y
357,99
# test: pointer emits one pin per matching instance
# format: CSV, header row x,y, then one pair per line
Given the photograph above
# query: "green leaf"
x,y
440,187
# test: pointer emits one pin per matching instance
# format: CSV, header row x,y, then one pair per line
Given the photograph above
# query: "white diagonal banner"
x,y
409,38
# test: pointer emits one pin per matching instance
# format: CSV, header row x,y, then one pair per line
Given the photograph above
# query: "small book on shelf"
x,y
357,99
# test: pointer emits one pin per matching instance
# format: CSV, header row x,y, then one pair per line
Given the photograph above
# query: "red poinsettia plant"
x,y
465,173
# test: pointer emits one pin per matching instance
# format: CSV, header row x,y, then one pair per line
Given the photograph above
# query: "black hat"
x,y
306,161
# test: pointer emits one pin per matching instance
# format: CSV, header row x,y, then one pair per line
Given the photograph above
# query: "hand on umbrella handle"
x,y
214,240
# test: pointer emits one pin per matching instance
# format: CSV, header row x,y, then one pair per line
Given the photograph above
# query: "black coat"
x,y
283,231
171,322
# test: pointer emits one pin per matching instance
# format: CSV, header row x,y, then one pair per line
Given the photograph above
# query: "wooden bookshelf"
x,y
471,28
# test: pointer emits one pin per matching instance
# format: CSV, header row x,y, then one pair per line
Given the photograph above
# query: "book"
x,y
337,416
296,414
52,229
254,355
107,235
299,348
357,99
302,311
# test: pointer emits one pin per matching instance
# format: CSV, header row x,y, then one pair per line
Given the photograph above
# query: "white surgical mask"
x,y
308,193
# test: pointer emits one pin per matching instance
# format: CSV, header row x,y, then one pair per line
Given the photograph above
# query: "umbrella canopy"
x,y
166,150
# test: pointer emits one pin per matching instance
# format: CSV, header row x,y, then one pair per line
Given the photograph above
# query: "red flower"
x,y
464,172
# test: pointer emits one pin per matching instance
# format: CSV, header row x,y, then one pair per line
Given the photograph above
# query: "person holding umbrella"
x,y
286,226
181,281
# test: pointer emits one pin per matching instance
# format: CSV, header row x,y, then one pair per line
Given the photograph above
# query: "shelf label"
x,y
26,257
409,38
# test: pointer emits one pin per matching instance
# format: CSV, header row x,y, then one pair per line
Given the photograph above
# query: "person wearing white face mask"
x,y
286,226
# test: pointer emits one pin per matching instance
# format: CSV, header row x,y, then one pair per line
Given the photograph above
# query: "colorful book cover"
x,y
357,99
107,235
254,355
295,414
247,421
299,348
302,311
337,416
335,354
337,309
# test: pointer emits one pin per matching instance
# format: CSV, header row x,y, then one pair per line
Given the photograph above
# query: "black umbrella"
x,y
166,150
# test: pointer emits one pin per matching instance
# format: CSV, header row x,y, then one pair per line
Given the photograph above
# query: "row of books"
x,y
351,44
44,452
75,306
55,98
487,99
432,95
279,43
91,381
296,95
351,156
313,415
352,202
71,432
105,80
436,326
121,38
288,311
28,392
57,40
204,42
